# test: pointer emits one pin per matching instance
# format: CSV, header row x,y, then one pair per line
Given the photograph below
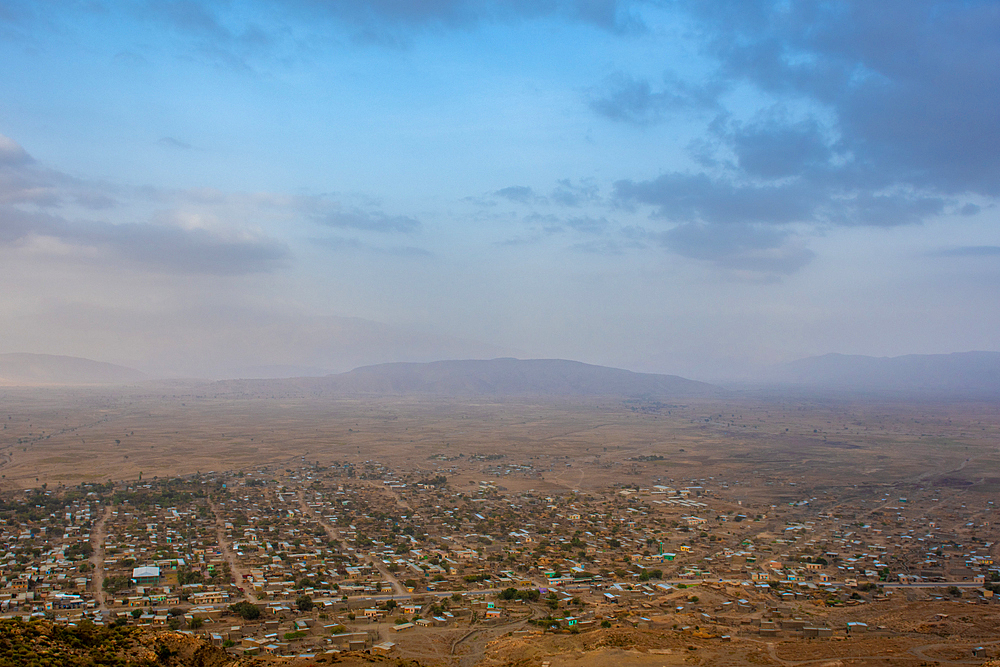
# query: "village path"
x,y
468,650
98,536
917,651
333,533
239,576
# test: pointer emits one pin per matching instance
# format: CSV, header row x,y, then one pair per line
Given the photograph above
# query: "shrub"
x,y
245,610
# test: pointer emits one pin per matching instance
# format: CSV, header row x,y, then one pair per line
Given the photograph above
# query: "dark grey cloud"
x,y
568,193
376,16
699,197
914,84
774,149
369,221
12,153
24,181
588,225
627,99
880,114
764,251
235,39
159,247
521,194
969,251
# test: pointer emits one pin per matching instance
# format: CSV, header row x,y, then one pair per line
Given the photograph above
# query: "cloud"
x,y
775,149
699,197
588,225
41,203
743,248
377,17
12,154
627,99
969,251
369,221
521,194
569,194
170,142
913,86
851,113
341,244
162,247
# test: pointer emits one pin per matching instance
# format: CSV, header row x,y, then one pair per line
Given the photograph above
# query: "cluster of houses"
x,y
320,550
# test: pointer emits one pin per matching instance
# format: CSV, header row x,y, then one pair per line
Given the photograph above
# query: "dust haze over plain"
x,y
702,189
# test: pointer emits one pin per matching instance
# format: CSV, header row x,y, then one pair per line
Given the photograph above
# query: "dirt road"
x,y
333,533
98,535
239,576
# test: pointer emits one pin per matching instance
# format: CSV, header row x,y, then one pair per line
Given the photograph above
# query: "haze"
x,y
201,188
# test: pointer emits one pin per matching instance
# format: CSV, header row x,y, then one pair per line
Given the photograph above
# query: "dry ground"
x,y
67,436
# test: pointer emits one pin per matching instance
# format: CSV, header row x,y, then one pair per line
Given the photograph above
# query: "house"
x,y
856,628
385,648
817,632
146,576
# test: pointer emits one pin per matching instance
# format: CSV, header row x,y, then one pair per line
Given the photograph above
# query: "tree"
x,y
304,603
245,610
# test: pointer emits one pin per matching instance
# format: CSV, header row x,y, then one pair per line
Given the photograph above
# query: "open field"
x,y
67,436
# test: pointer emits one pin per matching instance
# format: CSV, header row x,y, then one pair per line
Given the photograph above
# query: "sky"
x,y
206,188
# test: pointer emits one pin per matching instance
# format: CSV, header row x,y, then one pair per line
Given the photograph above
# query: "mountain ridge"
x,y
957,373
500,377
29,369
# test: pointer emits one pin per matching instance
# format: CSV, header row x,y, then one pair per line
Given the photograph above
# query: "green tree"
x,y
245,610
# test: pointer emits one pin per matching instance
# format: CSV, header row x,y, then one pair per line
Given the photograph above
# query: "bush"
x,y
513,594
245,610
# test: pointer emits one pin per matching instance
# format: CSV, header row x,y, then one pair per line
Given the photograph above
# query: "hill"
x,y
961,373
507,377
49,369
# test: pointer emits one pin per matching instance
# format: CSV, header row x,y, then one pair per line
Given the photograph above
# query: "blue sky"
x,y
687,187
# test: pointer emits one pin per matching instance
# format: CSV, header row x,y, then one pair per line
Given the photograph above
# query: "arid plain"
x,y
68,436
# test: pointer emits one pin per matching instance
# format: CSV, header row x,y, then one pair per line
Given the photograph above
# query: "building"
x,y
146,575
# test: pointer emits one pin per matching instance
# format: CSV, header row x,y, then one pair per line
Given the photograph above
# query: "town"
x,y
317,558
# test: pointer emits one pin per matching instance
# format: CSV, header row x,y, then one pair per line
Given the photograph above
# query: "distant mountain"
x,y
961,373
49,369
277,372
506,377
